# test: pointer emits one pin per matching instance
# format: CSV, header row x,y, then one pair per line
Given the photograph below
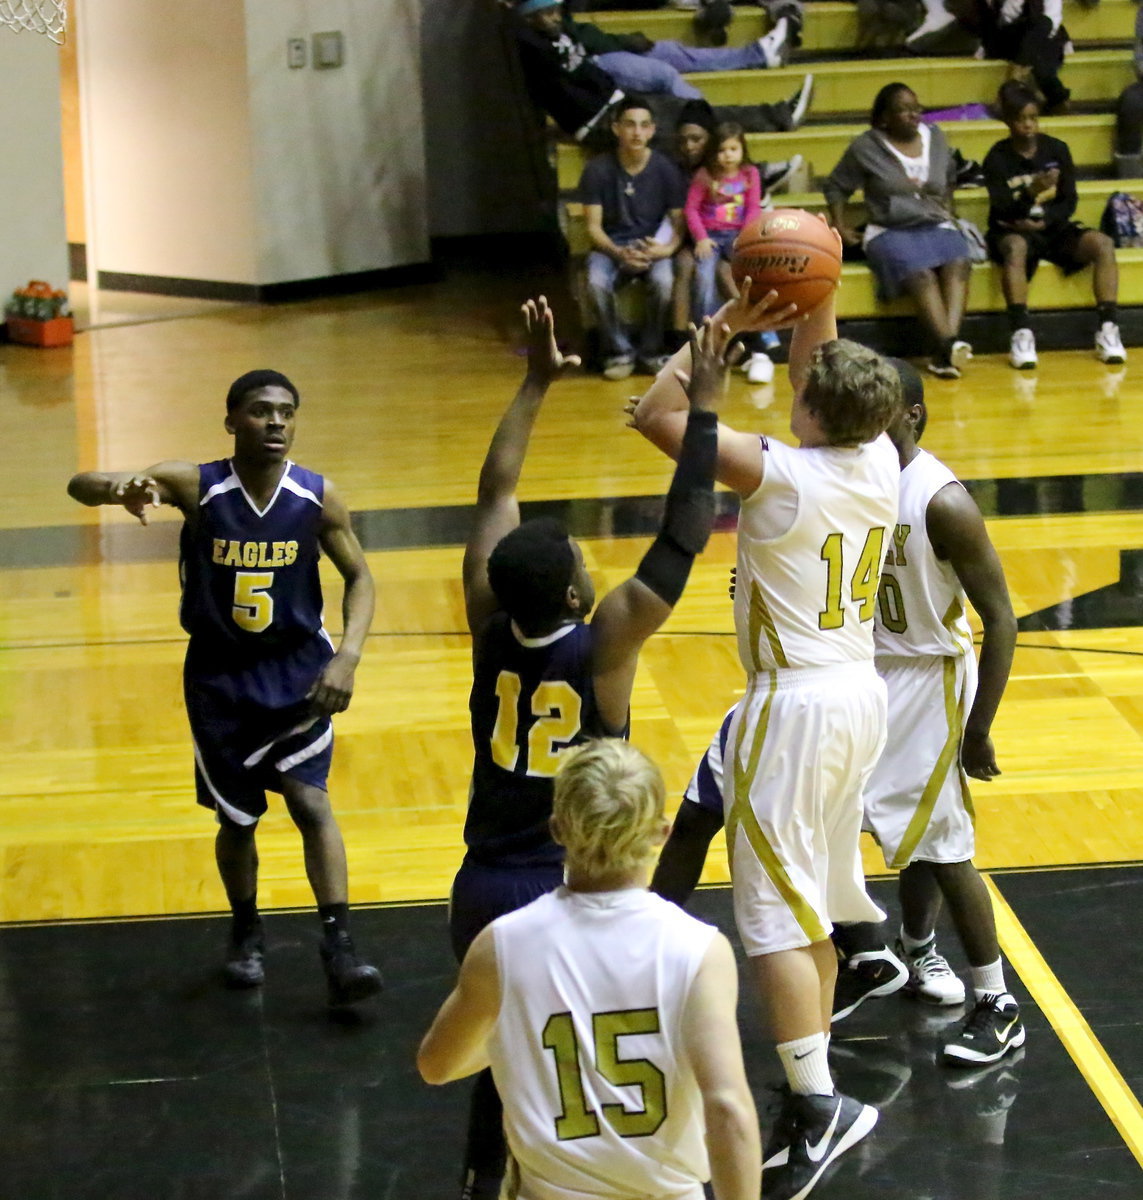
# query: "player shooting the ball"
x,y
810,728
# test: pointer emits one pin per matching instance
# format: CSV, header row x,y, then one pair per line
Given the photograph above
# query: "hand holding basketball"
x,y
792,253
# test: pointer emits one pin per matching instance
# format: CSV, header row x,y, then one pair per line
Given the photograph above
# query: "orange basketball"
x,y
790,252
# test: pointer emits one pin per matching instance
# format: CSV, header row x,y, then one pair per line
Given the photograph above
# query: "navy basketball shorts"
x,y
243,749
482,893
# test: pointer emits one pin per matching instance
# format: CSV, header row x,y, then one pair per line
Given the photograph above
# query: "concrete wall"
x,y
34,245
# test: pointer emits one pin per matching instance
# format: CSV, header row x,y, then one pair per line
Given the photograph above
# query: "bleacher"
x,y
844,87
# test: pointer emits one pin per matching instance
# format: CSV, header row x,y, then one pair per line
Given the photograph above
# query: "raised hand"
x,y
740,314
136,495
712,355
545,362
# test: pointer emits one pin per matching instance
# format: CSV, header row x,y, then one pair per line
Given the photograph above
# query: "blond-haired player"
x,y
606,1013
814,524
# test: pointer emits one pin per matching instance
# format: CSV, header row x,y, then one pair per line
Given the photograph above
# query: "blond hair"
x,y
852,391
608,807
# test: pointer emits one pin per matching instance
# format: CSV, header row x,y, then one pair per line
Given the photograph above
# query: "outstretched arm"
x,y
958,534
174,483
630,613
714,1050
661,414
334,687
497,510
456,1044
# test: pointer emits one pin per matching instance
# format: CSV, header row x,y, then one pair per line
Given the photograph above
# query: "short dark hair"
x,y
255,381
697,112
1013,97
912,392
852,391
631,100
883,99
529,571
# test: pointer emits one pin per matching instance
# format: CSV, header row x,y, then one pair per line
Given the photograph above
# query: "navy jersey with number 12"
x,y
531,699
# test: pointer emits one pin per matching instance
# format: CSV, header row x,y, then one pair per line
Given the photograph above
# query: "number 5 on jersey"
x,y
253,605
557,706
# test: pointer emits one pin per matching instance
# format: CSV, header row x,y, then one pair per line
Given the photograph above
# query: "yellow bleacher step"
x,y
1088,136
1049,288
832,28
850,85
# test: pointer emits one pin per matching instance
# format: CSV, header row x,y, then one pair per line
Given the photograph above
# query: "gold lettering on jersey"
x,y
230,553
896,556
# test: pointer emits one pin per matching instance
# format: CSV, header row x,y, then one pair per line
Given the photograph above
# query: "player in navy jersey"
x,y
543,678
262,677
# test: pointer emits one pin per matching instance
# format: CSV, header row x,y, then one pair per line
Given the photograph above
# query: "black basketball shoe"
x,y
817,1130
350,980
243,966
864,976
990,1031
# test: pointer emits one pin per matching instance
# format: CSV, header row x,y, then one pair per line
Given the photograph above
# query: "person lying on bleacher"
x,y
633,208
556,51
1031,202
906,170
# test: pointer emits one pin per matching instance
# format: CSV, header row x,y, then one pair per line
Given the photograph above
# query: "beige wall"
x,y
34,245
210,160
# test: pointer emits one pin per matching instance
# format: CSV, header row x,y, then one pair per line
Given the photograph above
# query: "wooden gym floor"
x,y
125,1072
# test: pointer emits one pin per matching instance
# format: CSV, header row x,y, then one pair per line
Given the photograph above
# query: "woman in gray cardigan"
x,y
906,171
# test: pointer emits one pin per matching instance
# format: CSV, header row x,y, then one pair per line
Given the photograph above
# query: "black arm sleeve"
x,y
689,515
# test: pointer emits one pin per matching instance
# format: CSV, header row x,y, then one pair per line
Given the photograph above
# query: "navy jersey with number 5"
x,y
251,591
531,699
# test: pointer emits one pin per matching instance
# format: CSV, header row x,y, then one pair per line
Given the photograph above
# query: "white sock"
x,y
914,945
989,980
806,1065
936,9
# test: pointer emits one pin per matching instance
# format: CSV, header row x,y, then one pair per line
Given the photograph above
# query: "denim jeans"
x,y
658,71
705,300
603,280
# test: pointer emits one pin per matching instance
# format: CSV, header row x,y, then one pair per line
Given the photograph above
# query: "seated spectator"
x,y
694,127
724,195
907,173
1129,115
1031,201
633,202
552,44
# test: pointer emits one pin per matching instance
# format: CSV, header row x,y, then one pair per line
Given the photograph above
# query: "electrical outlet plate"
x,y
295,53
329,50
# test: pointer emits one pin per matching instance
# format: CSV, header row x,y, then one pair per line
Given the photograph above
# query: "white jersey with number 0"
x,y
921,604
810,545
587,1054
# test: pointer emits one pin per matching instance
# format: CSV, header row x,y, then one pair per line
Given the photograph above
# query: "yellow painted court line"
x,y
1118,1100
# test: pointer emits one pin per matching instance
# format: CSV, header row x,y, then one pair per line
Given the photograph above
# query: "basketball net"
x,y
36,16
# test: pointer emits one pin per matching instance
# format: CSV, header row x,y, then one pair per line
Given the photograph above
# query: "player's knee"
x,y
309,807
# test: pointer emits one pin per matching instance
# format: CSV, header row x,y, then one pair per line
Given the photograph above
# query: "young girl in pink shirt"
x,y
725,194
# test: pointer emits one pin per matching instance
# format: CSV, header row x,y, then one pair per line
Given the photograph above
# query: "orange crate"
x,y
59,331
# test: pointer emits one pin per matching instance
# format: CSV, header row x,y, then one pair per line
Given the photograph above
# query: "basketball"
x,y
790,252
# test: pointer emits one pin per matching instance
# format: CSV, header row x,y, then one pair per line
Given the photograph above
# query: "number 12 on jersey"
x,y
579,1119
557,707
